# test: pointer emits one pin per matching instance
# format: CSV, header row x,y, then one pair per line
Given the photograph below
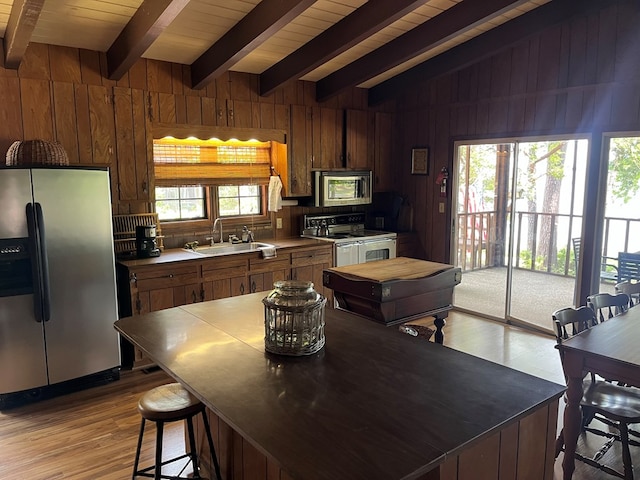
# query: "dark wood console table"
x,y
396,290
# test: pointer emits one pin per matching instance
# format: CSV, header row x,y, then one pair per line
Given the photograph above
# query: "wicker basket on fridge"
x,y
36,152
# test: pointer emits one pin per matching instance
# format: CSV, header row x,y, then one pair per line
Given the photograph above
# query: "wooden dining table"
x,y
609,349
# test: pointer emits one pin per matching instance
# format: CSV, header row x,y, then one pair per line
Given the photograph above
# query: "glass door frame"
x,y
516,141
597,177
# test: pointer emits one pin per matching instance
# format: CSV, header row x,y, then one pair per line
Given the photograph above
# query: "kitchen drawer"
x,y
218,268
313,256
261,265
164,277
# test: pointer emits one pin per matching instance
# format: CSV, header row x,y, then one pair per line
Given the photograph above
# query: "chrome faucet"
x,y
213,231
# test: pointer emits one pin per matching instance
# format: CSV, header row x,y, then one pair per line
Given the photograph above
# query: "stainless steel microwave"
x,y
339,188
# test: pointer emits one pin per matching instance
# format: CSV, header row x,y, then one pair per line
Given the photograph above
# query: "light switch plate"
x,y
278,222
441,207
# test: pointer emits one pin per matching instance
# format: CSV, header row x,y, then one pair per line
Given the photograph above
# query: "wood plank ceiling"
x,y
337,43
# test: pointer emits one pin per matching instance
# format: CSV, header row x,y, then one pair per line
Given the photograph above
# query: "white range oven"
x,y
352,243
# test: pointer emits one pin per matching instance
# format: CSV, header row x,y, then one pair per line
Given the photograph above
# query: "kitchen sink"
x,y
227,248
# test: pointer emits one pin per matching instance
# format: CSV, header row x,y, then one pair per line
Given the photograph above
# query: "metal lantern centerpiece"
x,y
294,319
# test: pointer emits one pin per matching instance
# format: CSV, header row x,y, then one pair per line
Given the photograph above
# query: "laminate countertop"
x,y
374,403
172,255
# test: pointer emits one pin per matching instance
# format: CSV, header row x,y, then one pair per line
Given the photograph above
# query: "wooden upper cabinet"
x,y
315,142
328,146
131,144
243,114
322,138
359,132
300,153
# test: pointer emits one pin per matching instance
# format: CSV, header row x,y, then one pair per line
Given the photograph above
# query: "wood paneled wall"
x,y
521,450
63,94
582,76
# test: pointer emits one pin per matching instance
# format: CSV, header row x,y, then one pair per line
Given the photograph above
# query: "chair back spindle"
x,y
630,288
576,319
605,303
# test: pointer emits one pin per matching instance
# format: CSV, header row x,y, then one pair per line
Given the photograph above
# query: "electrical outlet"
x,y
441,207
278,222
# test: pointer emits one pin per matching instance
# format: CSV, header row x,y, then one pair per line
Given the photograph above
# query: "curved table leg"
x,y
439,323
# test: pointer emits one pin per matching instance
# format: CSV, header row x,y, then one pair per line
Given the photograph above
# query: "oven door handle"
x,y
379,240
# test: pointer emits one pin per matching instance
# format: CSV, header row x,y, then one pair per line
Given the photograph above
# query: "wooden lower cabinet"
x,y
264,272
150,287
224,277
307,264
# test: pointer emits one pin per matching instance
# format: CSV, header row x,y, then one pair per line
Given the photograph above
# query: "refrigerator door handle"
x,y
36,271
39,263
44,264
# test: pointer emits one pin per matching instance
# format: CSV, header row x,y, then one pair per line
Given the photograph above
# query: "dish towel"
x,y
268,252
274,196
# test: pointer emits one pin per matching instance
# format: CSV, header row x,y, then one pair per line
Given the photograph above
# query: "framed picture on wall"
x,y
420,161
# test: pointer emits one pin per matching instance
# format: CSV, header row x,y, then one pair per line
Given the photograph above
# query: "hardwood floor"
x,y
92,434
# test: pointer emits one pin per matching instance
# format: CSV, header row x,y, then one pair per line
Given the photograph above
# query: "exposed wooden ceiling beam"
x,y
486,45
22,21
456,20
262,22
149,21
371,17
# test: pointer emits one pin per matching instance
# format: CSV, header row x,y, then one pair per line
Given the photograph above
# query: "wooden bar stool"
x,y
172,403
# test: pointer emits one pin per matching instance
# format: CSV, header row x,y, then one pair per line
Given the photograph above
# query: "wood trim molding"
x,y
456,20
149,21
256,27
22,21
368,19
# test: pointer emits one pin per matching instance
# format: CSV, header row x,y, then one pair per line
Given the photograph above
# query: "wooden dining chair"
x,y
628,266
606,304
608,269
630,288
610,403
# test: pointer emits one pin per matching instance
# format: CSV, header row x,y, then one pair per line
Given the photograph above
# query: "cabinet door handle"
x,y
253,287
138,304
193,296
169,276
133,278
202,294
242,289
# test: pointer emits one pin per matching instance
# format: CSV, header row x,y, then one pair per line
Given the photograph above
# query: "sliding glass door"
x,y
621,222
519,209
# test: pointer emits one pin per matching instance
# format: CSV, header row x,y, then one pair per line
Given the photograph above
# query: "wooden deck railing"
x,y
480,245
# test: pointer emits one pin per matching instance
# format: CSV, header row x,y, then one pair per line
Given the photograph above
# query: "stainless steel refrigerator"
x,y
57,282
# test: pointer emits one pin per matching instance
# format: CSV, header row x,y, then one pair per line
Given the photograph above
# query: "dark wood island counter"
x,y
373,404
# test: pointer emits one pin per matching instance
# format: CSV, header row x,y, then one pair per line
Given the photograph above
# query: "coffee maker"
x,y
146,245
